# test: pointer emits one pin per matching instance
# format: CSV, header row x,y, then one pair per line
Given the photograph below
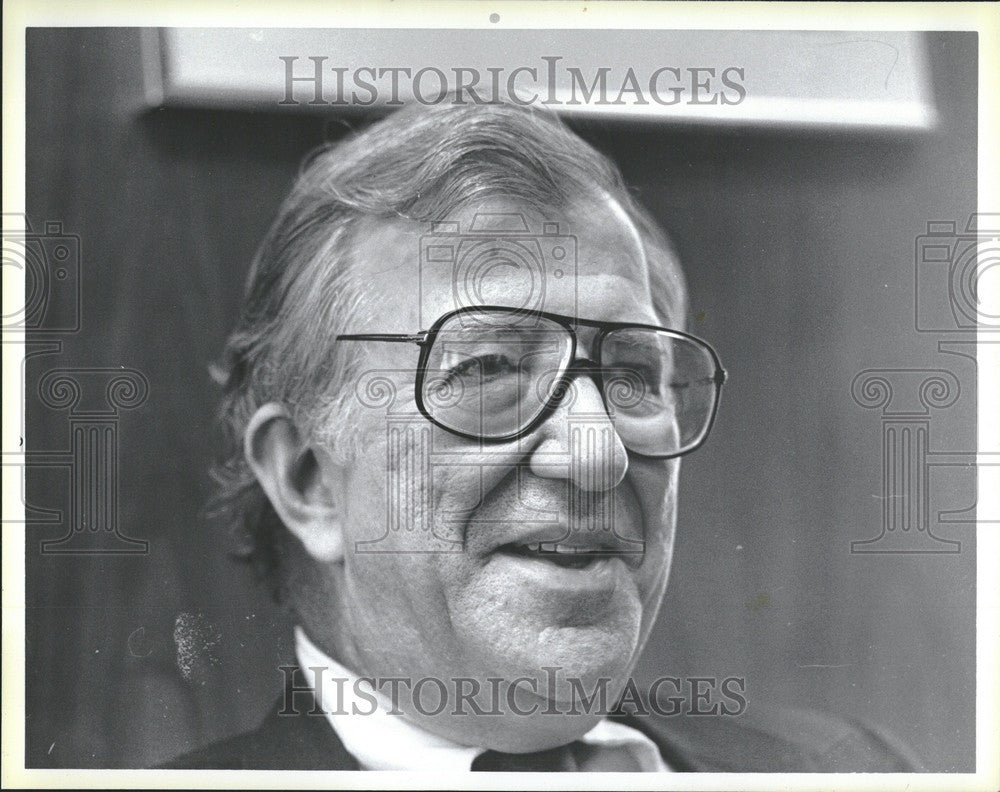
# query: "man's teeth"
x,y
553,547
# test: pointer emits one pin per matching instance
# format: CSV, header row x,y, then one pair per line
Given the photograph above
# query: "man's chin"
x,y
568,654
577,678
578,667
539,732
569,703
524,722
584,623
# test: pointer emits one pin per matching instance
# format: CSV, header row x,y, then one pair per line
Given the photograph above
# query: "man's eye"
x,y
483,368
650,376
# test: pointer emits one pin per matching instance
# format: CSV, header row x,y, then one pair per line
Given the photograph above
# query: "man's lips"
x,y
573,550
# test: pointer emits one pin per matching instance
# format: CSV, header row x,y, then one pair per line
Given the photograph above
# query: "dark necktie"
x,y
571,758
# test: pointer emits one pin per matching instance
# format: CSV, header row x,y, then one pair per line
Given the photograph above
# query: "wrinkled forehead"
x,y
586,260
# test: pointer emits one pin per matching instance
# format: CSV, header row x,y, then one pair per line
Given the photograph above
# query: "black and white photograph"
x,y
488,388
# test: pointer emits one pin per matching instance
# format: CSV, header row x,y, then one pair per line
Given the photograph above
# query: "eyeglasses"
x,y
494,374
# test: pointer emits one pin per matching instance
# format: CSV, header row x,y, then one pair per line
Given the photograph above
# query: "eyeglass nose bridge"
x,y
564,383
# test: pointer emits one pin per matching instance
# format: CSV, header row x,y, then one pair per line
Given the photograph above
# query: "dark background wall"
x,y
799,251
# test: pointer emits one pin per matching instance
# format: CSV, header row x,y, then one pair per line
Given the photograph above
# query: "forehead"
x,y
587,260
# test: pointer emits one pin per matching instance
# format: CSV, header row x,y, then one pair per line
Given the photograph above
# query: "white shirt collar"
x,y
381,741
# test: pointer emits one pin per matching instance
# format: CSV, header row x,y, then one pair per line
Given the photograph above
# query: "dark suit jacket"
x,y
785,741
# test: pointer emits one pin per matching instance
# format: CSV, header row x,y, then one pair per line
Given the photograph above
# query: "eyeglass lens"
x,y
491,375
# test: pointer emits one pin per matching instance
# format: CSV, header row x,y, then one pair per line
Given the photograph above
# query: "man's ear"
x,y
295,482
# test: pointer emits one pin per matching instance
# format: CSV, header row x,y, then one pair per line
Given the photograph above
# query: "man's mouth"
x,y
566,556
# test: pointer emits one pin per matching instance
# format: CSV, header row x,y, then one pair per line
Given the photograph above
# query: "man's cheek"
x,y
655,485
409,497
461,486
382,506
461,478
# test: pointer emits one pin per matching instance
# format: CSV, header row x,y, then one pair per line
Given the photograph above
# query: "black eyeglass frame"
x,y
425,340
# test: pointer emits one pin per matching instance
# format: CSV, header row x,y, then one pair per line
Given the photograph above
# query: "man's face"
x,y
435,581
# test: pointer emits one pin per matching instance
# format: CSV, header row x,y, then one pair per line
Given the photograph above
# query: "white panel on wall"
x,y
792,79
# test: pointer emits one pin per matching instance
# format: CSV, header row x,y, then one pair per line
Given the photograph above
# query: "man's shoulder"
x,y
242,752
295,741
775,740
758,741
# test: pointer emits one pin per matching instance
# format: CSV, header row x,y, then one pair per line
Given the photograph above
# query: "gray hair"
x,y
419,163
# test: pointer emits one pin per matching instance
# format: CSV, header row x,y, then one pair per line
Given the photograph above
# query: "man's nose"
x,y
579,441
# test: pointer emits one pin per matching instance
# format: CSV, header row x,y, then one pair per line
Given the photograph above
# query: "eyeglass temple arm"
x,y
419,338
717,378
